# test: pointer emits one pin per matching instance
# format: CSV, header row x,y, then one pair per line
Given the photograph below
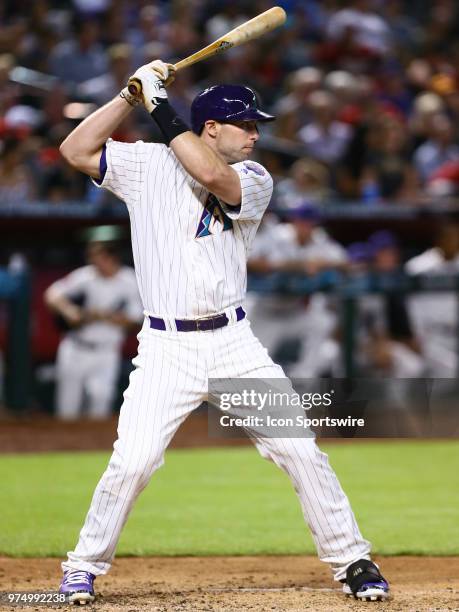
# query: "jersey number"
x,y
213,219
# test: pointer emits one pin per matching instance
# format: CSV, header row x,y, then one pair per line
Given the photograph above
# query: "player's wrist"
x,y
168,121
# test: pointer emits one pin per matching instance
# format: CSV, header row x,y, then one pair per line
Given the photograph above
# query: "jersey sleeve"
x,y
256,187
73,285
123,168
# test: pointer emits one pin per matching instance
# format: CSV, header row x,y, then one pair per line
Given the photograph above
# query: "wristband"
x,y
170,124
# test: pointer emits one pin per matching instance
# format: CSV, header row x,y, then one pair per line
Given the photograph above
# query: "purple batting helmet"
x,y
226,103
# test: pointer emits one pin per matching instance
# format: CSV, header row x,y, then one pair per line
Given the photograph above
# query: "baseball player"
x,y
300,246
434,314
194,204
386,339
98,304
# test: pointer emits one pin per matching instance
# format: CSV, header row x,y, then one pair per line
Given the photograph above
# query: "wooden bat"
x,y
261,24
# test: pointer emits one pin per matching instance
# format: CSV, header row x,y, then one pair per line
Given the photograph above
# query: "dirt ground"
x,y
44,433
242,583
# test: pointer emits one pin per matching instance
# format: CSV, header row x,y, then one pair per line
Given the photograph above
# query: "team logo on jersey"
x,y
213,219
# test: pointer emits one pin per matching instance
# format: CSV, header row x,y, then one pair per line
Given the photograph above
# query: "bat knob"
x,y
134,87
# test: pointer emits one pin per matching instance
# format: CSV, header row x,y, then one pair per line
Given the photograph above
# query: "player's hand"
x,y
73,316
154,77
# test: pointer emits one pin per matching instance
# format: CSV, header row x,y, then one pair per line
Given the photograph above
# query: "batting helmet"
x,y
226,103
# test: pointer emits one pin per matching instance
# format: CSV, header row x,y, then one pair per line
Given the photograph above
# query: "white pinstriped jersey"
x,y
190,250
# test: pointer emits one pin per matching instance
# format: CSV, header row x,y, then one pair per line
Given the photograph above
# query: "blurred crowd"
x,y
366,91
366,94
398,334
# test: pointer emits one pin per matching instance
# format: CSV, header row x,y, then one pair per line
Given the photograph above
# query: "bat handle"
x,y
135,87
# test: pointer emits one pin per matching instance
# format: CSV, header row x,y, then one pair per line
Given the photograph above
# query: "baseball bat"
x,y
249,30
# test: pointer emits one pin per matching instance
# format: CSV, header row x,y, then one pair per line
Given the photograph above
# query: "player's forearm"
x,y
199,159
62,306
82,146
115,318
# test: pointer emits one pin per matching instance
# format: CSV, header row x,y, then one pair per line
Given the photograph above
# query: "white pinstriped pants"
x,y
169,381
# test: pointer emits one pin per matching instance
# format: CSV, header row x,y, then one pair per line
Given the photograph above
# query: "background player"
x,y
99,303
194,207
435,314
300,246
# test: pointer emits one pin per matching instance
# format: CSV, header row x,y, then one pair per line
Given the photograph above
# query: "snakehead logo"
x,y
213,219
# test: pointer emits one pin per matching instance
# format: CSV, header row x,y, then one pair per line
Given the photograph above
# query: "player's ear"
x,y
211,127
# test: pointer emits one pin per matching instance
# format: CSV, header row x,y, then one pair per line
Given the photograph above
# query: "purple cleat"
x,y
78,587
365,582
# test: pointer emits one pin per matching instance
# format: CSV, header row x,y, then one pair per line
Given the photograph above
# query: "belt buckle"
x,y
198,324
203,320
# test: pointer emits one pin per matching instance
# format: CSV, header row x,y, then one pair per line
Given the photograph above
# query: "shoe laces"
x,y
78,576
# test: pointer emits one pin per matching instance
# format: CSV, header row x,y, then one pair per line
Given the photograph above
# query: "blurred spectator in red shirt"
x,y
439,149
356,37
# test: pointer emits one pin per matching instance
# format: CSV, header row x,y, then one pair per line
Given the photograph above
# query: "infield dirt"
x,y
164,584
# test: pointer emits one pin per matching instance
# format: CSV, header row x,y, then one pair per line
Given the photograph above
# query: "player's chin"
x,y
246,153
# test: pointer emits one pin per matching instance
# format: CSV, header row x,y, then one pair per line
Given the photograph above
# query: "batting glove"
x,y
153,77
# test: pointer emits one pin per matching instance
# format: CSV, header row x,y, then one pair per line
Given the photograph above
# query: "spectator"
x,y
444,183
16,183
148,35
308,181
8,90
292,110
342,85
426,107
81,58
103,88
325,138
356,37
439,149
388,173
359,25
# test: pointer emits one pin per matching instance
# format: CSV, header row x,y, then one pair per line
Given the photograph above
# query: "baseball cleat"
x,y
365,582
370,591
78,587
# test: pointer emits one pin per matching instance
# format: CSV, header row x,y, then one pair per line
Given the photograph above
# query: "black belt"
x,y
205,324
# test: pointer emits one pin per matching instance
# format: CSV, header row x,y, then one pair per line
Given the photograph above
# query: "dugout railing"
x,y
348,288
32,228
